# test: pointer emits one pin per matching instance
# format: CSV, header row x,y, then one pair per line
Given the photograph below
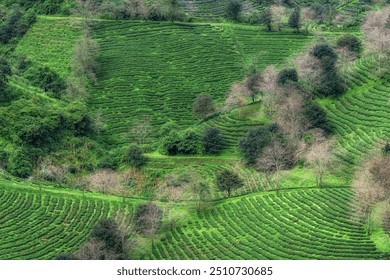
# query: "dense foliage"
x,y
252,144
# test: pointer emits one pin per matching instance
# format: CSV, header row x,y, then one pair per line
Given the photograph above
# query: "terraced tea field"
x,y
50,42
296,224
361,116
40,224
158,69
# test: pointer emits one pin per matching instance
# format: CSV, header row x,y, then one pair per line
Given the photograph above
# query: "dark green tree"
x,y
287,76
107,231
233,10
212,141
330,83
173,10
254,141
266,18
294,21
316,116
134,156
351,42
228,181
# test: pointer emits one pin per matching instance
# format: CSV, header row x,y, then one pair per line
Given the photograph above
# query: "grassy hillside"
x,y
296,224
38,224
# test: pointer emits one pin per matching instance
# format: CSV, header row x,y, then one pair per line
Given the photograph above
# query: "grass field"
x,y
296,224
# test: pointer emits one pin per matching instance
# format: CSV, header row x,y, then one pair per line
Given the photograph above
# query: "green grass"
x,y
38,223
297,224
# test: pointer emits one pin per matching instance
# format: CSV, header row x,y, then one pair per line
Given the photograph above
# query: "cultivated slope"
x,y
296,224
361,117
156,70
38,224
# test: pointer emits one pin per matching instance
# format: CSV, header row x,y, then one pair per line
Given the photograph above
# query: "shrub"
x,y
351,42
47,79
167,128
134,156
252,144
189,143
287,75
212,141
170,144
228,180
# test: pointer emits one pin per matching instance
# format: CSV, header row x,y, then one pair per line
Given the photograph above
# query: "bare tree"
x,y
104,180
371,185
136,9
320,158
252,85
201,192
308,68
92,250
141,129
274,158
147,220
278,14
308,17
376,31
236,97
86,9
290,116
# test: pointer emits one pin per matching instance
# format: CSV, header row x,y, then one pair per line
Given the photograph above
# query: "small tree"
x,y
252,84
104,180
134,156
266,19
203,106
173,10
278,12
107,231
228,181
294,21
233,10
212,141
147,219
320,159
201,191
